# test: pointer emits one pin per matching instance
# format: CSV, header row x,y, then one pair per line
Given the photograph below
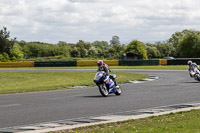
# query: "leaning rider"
x,y
104,67
193,68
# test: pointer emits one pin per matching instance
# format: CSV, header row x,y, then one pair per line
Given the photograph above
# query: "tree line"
x,y
184,44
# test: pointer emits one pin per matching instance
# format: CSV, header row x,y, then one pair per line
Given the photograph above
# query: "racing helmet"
x,y
100,63
189,62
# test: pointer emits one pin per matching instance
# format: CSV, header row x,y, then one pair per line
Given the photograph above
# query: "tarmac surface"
x,y
172,87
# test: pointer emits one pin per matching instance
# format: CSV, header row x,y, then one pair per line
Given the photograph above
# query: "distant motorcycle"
x,y
195,74
106,84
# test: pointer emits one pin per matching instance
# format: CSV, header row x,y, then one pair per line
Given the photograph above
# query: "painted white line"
x,y
9,105
136,82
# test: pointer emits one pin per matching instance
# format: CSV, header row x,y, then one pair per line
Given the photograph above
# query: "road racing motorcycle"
x,y
195,74
106,84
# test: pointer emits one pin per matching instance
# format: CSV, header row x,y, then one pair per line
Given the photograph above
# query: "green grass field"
x,y
165,67
182,122
19,82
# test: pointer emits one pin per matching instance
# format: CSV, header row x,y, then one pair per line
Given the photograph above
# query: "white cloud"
x,y
90,20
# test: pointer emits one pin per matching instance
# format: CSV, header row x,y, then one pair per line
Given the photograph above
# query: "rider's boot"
x,y
116,84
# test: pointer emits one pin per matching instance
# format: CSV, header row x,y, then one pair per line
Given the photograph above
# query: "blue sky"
x,y
90,20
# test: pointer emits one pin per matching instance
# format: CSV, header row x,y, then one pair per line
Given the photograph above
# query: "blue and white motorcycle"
x,y
106,84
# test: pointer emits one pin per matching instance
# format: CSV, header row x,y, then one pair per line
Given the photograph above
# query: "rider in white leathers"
x,y
193,68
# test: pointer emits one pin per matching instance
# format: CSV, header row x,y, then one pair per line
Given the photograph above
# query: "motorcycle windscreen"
x,y
98,76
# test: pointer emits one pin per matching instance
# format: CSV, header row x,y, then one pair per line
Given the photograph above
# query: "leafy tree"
x,y
165,49
1,58
116,51
5,43
82,47
62,44
16,52
189,46
177,37
4,57
63,48
102,48
115,40
75,52
22,43
92,51
152,51
34,49
137,47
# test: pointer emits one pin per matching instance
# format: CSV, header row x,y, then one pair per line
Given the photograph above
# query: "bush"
x,y
4,57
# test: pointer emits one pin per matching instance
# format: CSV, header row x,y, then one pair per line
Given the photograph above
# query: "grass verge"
x,y
164,67
19,82
182,122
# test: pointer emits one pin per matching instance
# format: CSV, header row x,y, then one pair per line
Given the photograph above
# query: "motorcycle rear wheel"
x,y
197,77
118,91
103,90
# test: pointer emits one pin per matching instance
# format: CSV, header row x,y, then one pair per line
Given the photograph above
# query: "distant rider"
x,y
193,68
104,67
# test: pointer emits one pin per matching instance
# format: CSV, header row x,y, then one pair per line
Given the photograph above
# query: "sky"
x,y
51,21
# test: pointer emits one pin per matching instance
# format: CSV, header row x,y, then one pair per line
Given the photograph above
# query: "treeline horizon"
x,y
183,44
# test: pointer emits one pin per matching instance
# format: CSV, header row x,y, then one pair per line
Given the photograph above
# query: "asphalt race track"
x,y
173,87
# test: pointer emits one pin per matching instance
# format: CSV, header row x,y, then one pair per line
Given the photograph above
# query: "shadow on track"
x,y
192,82
97,96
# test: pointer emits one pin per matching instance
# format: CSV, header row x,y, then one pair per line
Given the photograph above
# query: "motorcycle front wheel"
x,y
103,90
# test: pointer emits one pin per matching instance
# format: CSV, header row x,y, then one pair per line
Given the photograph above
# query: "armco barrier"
x,y
94,62
55,63
138,62
182,61
112,62
87,63
17,64
163,62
